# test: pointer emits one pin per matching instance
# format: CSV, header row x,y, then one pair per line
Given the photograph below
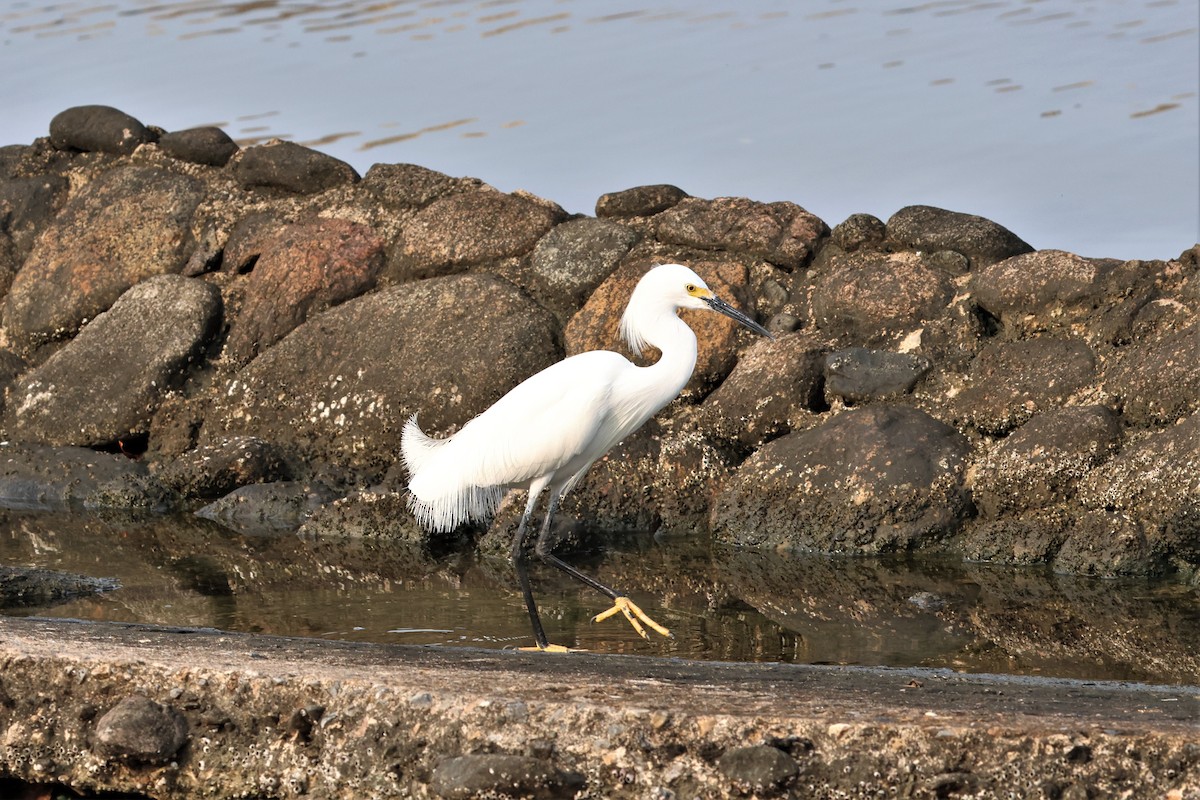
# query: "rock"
x,y
930,229
1037,284
42,478
773,384
1032,538
1043,461
1108,545
27,206
782,233
575,257
210,146
859,232
495,775
1011,381
293,168
217,468
1157,382
869,480
640,201
141,731
859,375
596,325
412,186
129,224
376,513
1155,479
98,129
106,383
466,229
340,387
303,269
872,297
248,238
11,366
267,507
758,769
24,587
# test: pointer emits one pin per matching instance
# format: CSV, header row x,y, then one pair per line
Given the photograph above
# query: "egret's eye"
x,y
690,288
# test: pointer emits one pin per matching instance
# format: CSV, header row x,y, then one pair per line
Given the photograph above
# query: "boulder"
x,y
303,269
141,731
596,325
249,237
1042,462
872,296
106,383
782,233
404,186
869,480
1108,545
1157,381
930,229
292,168
267,507
466,229
98,129
24,587
129,224
208,145
217,468
640,201
1028,539
27,207
574,258
42,478
858,232
341,386
774,384
1008,382
860,375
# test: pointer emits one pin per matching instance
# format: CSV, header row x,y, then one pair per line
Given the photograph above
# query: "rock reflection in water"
x,y
722,604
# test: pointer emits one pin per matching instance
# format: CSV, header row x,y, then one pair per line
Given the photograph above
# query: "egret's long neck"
x,y
662,381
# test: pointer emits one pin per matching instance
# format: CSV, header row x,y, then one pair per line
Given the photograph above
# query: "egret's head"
x,y
669,287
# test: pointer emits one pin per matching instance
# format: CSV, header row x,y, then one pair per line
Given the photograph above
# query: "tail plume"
x,y
437,495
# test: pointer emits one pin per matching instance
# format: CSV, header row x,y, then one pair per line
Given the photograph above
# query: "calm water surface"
x,y
1073,122
720,604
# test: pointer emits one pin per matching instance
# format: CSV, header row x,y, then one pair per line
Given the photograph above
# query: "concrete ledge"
x,y
271,717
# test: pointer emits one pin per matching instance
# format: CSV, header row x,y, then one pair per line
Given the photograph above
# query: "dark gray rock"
x,y
782,233
269,507
27,206
1032,538
98,128
869,480
23,587
217,468
41,478
107,382
575,257
495,775
758,769
1157,382
1034,291
640,201
129,224
930,229
859,375
411,186
465,229
872,297
774,384
1011,381
302,270
209,145
858,232
1042,462
141,731
341,386
292,168
1107,545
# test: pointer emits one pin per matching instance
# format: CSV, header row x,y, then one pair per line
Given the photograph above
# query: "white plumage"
x,y
547,431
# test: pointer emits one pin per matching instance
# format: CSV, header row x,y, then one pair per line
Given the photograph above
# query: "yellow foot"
x,y
635,615
550,648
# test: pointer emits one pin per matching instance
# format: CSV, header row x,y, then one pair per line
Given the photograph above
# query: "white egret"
x,y
546,432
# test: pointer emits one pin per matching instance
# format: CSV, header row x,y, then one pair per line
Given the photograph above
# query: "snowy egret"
x,y
546,432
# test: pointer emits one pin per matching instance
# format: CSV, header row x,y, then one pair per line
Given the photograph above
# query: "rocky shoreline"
x,y
258,324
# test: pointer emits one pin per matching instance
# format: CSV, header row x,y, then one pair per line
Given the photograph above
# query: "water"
x,y
1072,122
721,604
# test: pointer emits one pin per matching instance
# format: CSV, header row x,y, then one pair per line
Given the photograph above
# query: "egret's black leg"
x,y
521,567
621,603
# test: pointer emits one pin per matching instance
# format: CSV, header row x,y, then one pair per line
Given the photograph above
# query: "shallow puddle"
x,y
720,604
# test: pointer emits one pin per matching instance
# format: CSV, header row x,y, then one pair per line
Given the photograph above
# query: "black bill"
x,y
721,307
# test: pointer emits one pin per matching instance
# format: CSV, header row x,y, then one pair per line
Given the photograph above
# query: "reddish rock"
x,y
304,269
